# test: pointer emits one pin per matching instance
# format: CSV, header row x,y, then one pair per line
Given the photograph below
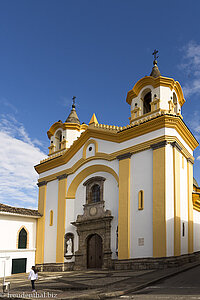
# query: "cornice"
x,y
156,82
131,132
64,126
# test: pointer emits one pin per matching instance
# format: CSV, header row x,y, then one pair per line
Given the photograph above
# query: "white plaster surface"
x,y
141,221
9,226
196,230
169,200
51,231
184,205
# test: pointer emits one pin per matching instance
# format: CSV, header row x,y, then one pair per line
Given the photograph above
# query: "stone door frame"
x,y
88,225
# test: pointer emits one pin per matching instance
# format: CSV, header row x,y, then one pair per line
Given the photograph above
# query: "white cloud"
x,y
18,155
198,158
191,66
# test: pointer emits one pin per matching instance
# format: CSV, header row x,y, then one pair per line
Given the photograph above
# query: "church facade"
x,y
109,193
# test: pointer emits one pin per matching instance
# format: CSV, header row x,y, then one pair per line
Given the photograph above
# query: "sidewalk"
x,y
88,284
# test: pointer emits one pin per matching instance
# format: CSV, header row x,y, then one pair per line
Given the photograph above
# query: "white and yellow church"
x,y
110,194
113,197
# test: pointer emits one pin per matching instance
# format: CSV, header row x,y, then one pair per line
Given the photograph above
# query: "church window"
x,y
51,218
94,189
147,101
141,200
90,148
175,103
183,229
22,239
58,140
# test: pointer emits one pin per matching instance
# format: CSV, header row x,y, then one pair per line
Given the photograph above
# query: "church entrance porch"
x,y
94,252
94,231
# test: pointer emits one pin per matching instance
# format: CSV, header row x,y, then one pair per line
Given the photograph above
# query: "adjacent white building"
x,y
18,239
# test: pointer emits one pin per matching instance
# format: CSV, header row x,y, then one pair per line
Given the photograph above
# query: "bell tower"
x,y
62,135
154,95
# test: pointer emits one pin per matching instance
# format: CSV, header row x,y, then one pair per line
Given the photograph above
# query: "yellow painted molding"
x,y
109,157
177,210
93,119
190,206
61,215
91,141
156,82
39,255
71,193
159,198
64,126
135,131
124,209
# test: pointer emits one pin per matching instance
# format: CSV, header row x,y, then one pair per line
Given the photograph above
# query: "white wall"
x,y
196,230
9,226
141,221
184,205
169,200
51,231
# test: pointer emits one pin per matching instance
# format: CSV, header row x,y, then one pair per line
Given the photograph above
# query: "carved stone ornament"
x,y
94,221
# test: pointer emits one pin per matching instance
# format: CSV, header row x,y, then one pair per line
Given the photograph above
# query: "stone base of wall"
x,y
56,267
150,263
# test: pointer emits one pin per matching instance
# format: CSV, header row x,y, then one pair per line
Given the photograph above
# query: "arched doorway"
x,y
94,251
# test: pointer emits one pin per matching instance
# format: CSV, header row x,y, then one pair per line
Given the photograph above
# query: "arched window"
x,y
175,103
58,140
51,218
95,190
22,239
147,101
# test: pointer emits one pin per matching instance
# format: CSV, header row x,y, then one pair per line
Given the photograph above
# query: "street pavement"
x,y
99,284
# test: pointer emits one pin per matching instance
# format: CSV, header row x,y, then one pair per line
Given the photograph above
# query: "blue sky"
x,y
96,50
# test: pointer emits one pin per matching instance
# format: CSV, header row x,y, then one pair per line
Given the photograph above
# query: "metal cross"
x,y
74,97
154,53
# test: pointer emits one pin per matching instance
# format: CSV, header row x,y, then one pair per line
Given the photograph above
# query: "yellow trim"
x,y
159,217
86,145
93,132
124,210
71,193
109,157
190,206
39,255
141,200
51,218
64,126
156,82
177,212
61,215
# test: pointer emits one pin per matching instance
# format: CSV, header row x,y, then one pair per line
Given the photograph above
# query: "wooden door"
x,y
94,252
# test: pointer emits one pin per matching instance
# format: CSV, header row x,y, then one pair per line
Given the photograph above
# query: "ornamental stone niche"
x,y
94,229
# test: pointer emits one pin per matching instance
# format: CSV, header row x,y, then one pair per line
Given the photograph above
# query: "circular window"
x,y
90,148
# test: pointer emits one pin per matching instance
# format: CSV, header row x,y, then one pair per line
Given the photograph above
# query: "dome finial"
x,y
155,71
73,118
